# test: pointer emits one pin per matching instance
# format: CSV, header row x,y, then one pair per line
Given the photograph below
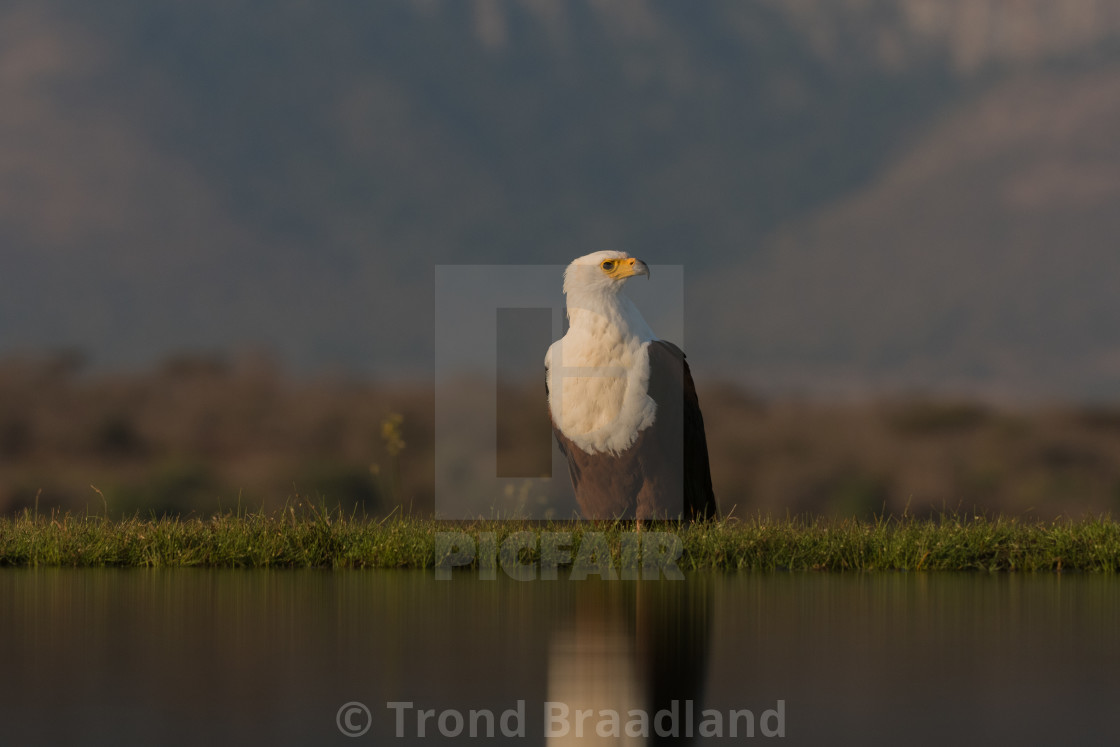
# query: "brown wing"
x,y
665,473
682,444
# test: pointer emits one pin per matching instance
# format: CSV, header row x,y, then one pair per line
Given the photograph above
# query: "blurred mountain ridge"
x,y
890,194
971,33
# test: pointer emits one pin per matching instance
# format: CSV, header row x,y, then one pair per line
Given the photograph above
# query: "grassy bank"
x,y
311,538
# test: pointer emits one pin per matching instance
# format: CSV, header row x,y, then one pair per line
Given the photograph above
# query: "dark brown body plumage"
x,y
664,474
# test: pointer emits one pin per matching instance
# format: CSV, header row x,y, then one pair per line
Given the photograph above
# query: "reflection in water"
x,y
180,657
633,658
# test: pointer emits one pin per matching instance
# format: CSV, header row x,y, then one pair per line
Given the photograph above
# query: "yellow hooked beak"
x,y
620,269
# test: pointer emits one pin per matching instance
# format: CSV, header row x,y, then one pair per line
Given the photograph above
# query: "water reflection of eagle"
x,y
623,406
632,645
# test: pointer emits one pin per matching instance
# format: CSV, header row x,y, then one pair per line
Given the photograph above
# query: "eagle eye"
x,y
607,265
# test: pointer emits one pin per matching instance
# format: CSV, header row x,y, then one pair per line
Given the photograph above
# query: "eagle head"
x,y
602,273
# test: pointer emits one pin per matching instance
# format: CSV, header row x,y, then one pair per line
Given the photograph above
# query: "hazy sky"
x,y
861,196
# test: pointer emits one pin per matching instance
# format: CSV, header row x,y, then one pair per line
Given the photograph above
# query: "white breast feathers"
x,y
598,381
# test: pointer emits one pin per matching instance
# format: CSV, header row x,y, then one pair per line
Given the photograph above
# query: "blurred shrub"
x,y
857,494
928,417
176,487
348,486
15,437
1066,455
1099,418
117,436
846,490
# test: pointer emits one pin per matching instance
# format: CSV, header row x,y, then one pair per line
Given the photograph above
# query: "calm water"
x,y
187,657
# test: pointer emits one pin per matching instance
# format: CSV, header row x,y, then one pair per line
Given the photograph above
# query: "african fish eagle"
x,y
623,406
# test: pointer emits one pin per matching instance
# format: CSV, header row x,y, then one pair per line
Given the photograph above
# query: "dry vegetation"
x,y
200,434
